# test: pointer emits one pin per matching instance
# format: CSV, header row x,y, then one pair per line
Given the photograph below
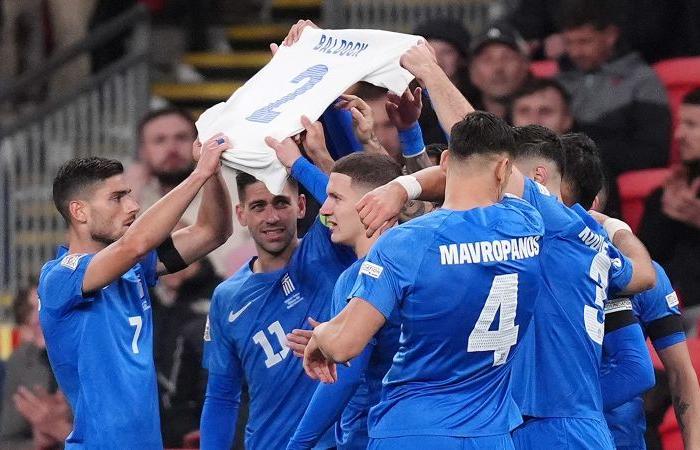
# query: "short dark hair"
x,y
480,133
78,174
435,149
243,180
21,308
549,150
577,13
368,170
167,111
692,97
368,92
530,134
585,174
534,85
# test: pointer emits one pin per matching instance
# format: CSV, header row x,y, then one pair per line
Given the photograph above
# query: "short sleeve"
x,y
61,287
621,269
149,265
220,356
388,273
659,312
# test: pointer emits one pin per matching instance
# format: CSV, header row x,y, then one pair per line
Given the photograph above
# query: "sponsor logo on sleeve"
x,y
72,261
371,269
672,299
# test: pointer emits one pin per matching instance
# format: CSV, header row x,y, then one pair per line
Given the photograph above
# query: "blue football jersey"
x,y
464,284
558,375
250,315
100,346
627,422
351,428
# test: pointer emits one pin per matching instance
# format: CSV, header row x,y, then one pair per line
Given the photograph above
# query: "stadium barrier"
x,y
98,116
405,15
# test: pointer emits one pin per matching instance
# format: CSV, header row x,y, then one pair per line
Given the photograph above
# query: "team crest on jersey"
x,y
672,299
293,298
371,269
72,261
207,332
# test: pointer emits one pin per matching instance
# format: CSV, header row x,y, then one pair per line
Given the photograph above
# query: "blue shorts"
x,y
563,433
498,442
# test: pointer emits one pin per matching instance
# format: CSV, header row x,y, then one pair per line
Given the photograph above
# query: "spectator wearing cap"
x,y
617,99
498,68
545,102
451,41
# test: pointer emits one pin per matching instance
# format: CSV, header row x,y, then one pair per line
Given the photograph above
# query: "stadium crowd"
x,y
463,276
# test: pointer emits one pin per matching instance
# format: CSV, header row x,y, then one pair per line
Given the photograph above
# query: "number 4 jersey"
x,y
464,284
101,350
245,338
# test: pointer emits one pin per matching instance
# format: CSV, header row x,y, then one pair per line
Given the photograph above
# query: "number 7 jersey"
x,y
464,284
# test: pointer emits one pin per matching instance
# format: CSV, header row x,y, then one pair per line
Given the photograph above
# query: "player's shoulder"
x,y
54,272
516,209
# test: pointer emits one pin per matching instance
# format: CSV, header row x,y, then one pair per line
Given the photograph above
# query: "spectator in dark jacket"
x,y
670,227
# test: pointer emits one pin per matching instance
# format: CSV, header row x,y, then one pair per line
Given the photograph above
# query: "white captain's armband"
x,y
618,304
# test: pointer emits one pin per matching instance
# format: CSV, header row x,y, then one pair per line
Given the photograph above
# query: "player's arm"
x,y
643,273
309,175
685,393
212,228
624,342
347,334
217,425
449,104
155,225
328,402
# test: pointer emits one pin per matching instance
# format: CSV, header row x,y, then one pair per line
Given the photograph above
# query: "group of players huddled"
x,y
509,317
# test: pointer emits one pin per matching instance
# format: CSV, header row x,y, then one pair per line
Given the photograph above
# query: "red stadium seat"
x,y
634,188
680,76
547,68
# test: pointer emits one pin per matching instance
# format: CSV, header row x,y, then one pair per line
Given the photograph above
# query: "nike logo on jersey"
x,y
234,315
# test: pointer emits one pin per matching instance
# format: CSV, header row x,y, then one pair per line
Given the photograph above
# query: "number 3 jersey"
x,y
100,346
245,338
558,373
464,284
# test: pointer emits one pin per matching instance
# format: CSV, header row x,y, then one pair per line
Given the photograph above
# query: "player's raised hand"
x,y
362,116
208,155
379,209
419,60
287,150
314,142
295,32
404,111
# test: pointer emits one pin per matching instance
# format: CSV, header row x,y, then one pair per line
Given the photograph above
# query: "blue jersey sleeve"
x,y
218,422
389,271
149,265
340,132
311,177
61,286
220,356
659,313
621,269
329,401
631,372
318,245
